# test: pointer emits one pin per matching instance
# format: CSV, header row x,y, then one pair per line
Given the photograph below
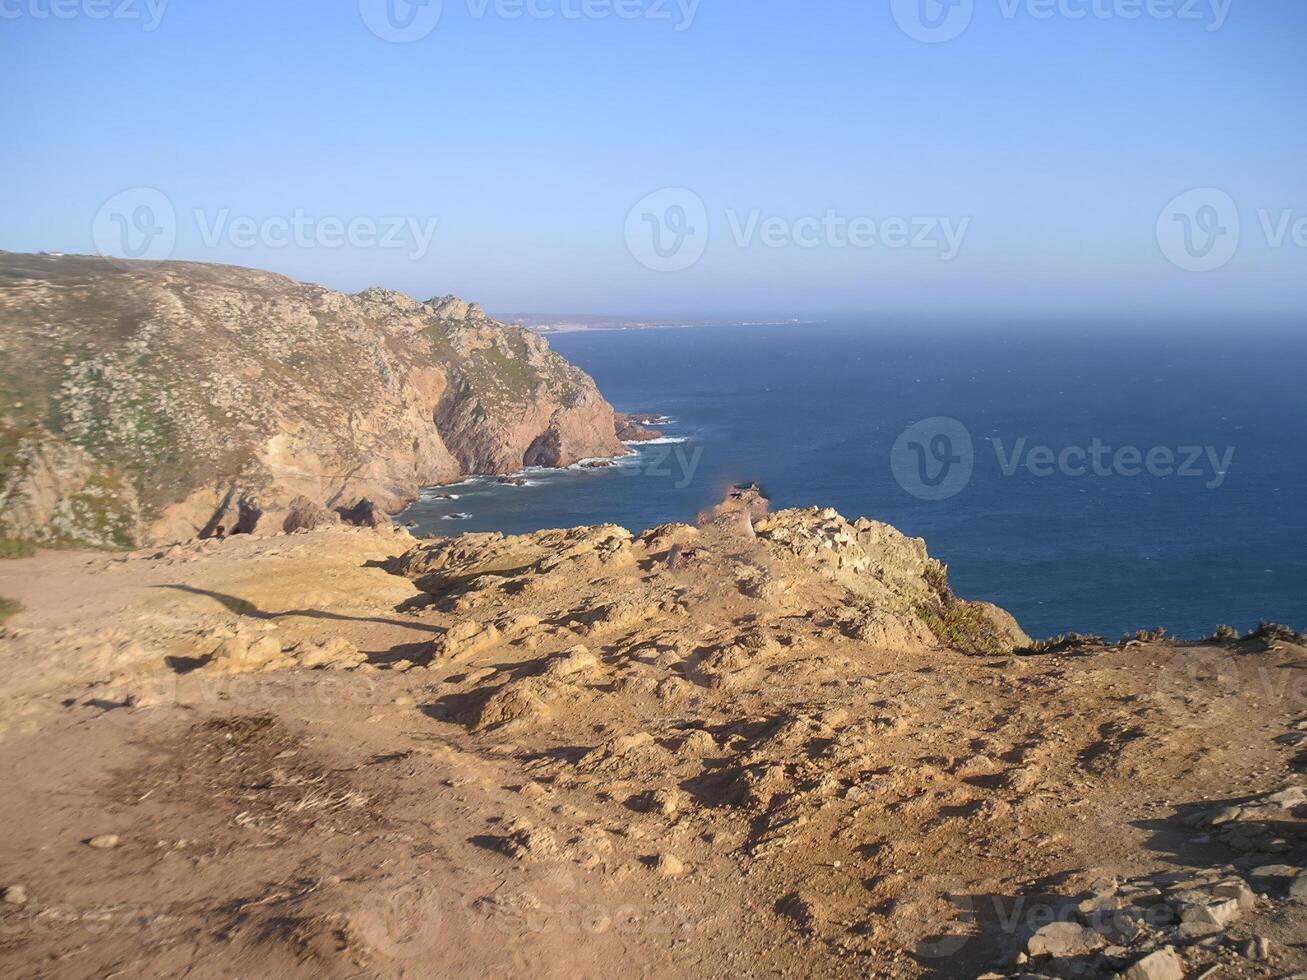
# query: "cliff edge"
x,y
145,403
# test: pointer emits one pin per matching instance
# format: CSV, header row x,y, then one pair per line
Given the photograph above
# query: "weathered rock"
x,y
571,664
306,514
364,514
669,865
1164,964
1063,939
519,701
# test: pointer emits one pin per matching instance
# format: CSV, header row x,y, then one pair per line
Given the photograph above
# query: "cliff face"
x,y
159,402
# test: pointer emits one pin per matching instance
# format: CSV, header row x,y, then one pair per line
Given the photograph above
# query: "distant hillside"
x,y
144,403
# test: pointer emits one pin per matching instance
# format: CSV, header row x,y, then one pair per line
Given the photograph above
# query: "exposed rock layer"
x,y
150,403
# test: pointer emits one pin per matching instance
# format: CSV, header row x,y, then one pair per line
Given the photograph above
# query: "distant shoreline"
x,y
575,324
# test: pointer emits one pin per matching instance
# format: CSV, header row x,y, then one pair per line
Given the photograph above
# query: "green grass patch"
x,y
966,628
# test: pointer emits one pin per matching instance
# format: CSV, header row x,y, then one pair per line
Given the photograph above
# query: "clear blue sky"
x,y
528,140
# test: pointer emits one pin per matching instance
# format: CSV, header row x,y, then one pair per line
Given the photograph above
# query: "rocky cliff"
x,y
148,403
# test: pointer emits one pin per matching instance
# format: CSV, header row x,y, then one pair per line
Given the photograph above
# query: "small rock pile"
x,y
1147,928
1272,824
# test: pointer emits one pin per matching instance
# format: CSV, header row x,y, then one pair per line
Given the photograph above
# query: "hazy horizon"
x,y
1002,158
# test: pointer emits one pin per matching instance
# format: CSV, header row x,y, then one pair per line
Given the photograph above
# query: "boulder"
x,y
1161,965
363,514
305,514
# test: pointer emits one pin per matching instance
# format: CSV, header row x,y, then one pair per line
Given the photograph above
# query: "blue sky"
x,y
1049,139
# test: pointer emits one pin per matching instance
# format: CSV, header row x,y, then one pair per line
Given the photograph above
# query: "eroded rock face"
x,y
155,403
867,581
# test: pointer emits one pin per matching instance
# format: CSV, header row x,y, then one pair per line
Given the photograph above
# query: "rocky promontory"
x,y
145,403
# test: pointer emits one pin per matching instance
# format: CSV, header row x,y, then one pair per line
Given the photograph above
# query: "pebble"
x,y
104,842
15,895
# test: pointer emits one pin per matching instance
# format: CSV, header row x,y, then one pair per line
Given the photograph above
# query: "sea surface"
x,y
1091,478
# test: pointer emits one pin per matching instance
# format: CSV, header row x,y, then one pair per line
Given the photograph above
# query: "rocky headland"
x,y
150,403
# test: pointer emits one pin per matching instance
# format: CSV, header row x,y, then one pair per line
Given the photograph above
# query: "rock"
x,y
104,842
1257,948
517,701
571,664
337,653
1298,890
668,865
525,840
363,514
1219,913
1274,873
1225,815
305,514
1238,891
1164,964
15,895
1063,939
630,429
465,639
696,744
236,655
274,390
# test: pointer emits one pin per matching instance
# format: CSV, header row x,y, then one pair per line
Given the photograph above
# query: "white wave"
x,y
660,441
455,517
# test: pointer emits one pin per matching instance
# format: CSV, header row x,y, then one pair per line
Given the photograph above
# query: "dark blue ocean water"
x,y
813,412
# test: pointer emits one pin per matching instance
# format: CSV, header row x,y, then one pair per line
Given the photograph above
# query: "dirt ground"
x,y
706,752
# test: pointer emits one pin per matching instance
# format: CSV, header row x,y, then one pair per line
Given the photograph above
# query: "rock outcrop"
x,y
865,579
159,402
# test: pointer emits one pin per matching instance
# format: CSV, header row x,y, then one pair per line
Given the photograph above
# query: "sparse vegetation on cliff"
x,y
158,402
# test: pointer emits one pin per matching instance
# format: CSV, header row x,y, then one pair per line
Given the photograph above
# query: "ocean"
x,y
1087,477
